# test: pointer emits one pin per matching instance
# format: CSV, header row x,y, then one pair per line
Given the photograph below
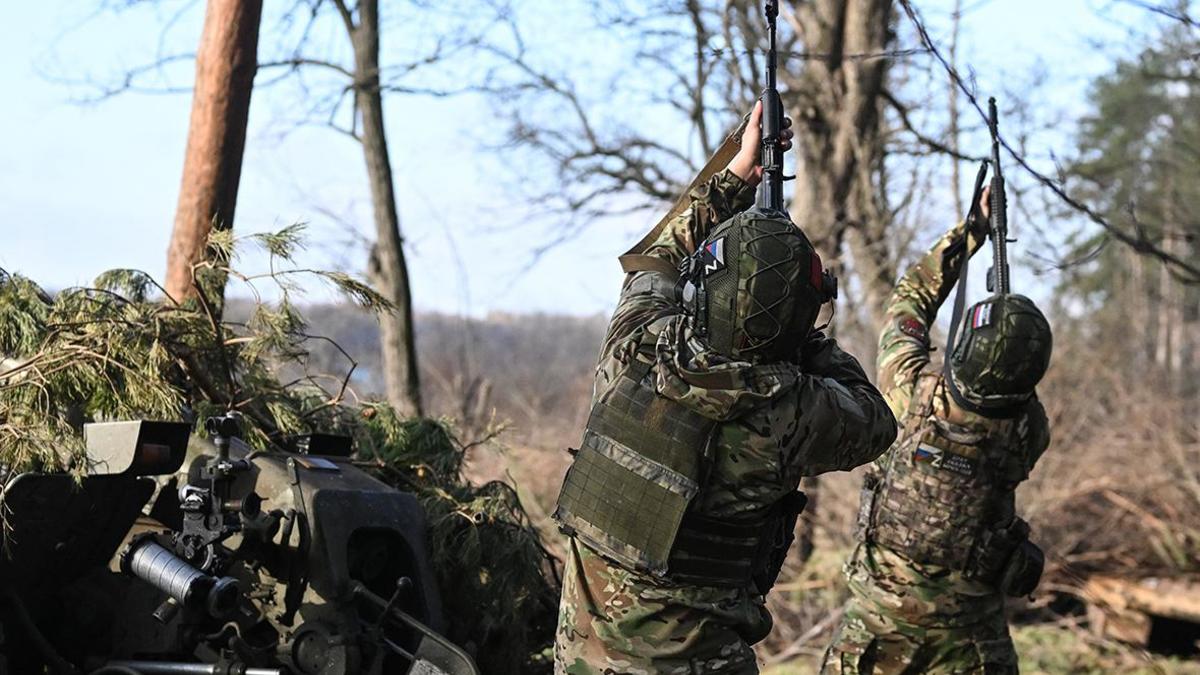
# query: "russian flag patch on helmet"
x,y
714,255
982,316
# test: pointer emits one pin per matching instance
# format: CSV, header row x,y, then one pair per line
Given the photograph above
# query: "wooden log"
x,y
1124,609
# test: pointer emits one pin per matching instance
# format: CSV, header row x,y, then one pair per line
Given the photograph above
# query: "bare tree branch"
x,y
933,144
1174,13
1185,270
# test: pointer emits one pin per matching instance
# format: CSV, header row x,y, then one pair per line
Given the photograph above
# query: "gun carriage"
x,y
175,554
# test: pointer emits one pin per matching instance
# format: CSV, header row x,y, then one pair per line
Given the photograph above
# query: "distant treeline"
x,y
533,371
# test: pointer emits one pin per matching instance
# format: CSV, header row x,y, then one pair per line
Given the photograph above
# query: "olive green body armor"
x,y
636,471
629,494
945,495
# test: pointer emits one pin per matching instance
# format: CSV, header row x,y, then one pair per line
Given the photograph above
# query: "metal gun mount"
x,y
248,563
138,448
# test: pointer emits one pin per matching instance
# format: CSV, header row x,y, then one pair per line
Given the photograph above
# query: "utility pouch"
x,y
637,470
1023,570
1005,559
777,539
866,505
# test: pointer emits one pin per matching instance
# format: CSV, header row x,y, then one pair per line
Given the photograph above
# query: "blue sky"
x,y
84,188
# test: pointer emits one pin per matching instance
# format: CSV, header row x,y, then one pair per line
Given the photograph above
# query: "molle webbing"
x,y
943,487
714,552
628,495
636,472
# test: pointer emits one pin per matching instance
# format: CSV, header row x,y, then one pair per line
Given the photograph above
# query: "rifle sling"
x,y
960,301
635,260
640,262
960,292
960,298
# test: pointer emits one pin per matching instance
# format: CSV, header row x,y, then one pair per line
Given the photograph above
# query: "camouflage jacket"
x,y
790,420
907,591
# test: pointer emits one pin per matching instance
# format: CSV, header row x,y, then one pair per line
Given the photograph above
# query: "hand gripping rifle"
x,y
997,281
770,193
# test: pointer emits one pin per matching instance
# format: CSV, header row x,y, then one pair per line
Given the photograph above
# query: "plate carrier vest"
x,y
946,493
628,493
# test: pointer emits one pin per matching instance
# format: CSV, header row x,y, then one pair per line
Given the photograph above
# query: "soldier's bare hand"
x,y
985,202
746,163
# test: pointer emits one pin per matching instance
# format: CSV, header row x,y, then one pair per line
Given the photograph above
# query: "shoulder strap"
x,y
960,292
634,259
640,262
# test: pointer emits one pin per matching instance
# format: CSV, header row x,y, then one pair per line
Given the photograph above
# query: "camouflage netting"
x,y
500,586
118,350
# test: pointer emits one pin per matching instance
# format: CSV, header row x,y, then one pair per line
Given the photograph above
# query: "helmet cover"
x,y
755,286
1002,351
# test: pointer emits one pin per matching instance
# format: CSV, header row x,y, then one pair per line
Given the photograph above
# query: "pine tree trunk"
x,y
388,270
1162,351
226,62
1137,303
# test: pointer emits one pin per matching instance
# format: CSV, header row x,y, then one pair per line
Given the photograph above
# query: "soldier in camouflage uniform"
x,y
768,425
940,543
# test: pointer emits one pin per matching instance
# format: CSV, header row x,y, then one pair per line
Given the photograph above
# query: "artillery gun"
x,y
216,559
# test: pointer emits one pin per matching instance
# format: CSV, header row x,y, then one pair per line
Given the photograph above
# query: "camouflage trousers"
x,y
613,621
870,642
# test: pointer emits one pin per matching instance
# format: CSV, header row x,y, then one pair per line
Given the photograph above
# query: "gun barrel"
x,y
998,203
770,194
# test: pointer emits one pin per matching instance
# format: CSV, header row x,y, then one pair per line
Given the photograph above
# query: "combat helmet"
x,y
1002,352
755,287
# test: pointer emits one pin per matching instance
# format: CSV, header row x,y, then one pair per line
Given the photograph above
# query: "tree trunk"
x,y
225,65
839,152
1137,304
837,100
839,149
388,271
1162,350
955,164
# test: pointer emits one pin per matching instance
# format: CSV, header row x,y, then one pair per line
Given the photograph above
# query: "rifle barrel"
x,y
770,193
998,201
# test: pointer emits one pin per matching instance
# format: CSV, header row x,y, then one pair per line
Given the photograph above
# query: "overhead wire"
x,y
1180,268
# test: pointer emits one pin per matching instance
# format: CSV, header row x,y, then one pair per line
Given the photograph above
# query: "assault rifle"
x,y
770,193
997,279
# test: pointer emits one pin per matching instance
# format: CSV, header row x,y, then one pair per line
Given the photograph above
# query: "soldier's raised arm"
x,y
648,292
712,202
847,419
912,308
719,198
